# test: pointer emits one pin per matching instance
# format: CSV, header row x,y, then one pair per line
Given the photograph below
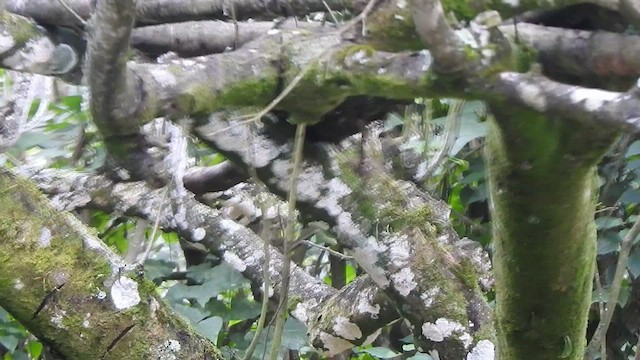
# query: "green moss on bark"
x,y
542,186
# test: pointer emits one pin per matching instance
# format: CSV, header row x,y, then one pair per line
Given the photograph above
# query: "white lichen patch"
x,y
346,329
85,321
123,173
124,293
593,99
57,318
512,3
399,253
270,291
532,95
364,305
301,312
180,216
358,57
168,350
34,55
441,329
309,183
334,345
6,41
18,285
199,234
376,245
45,237
429,296
230,226
163,76
367,259
348,228
154,306
466,339
235,261
484,350
336,191
403,281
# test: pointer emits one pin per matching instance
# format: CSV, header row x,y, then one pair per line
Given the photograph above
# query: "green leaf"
x,y
631,196
243,308
223,276
608,242
4,315
625,293
155,268
218,308
210,328
607,222
469,194
10,341
392,121
473,177
634,149
470,126
351,273
34,348
381,352
189,312
30,139
200,293
72,103
420,356
20,355
633,264
295,334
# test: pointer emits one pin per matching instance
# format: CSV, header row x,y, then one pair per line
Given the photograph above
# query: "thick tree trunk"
x,y
543,197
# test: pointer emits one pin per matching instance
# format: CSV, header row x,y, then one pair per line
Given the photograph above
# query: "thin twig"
x,y
156,226
75,14
288,242
335,20
451,135
327,249
614,291
600,305
265,234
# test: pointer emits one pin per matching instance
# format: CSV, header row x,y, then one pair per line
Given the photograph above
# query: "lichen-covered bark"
x,y
543,193
399,235
361,307
72,292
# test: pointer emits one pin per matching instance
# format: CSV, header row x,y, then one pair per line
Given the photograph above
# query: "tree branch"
x,y
70,290
238,245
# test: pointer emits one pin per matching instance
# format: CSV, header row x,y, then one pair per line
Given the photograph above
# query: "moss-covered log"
x,y
65,286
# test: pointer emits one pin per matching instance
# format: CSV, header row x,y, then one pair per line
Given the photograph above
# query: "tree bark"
x,y
543,191
66,287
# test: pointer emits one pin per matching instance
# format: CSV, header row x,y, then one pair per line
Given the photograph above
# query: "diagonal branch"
x,y
361,302
85,294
